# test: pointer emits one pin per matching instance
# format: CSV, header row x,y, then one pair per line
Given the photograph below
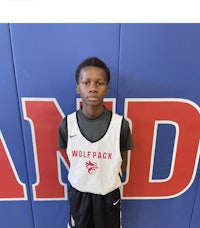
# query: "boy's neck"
x,y
92,112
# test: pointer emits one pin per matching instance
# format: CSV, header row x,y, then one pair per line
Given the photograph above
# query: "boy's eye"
x,y
100,83
86,83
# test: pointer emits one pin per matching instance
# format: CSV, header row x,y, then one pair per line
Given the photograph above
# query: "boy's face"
x,y
92,85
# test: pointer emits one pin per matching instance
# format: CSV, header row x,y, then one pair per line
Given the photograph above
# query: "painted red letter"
x,y
144,114
44,117
11,187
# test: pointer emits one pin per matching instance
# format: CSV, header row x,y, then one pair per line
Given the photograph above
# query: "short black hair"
x,y
92,61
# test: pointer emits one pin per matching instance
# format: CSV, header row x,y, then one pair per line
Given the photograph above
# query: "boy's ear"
x,y
77,89
107,90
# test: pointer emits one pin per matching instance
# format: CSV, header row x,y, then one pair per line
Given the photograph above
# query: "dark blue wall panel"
x,y
14,212
161,61
45,58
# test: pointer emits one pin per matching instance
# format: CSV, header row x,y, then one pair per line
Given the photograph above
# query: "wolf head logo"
x,y
91,166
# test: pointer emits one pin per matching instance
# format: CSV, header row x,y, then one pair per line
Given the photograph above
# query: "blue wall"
x,y
148,62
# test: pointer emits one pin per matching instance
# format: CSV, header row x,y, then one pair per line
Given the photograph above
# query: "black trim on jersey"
x,y
93,141
120,176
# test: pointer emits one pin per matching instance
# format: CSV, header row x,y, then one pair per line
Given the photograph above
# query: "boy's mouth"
x,y
92,98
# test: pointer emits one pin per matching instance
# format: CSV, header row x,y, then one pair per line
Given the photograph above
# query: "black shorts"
x,y
89,210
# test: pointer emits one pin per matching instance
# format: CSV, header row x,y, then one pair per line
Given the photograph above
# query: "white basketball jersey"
x,y
95,167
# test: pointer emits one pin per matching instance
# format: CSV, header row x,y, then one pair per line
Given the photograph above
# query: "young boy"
x,y
97,142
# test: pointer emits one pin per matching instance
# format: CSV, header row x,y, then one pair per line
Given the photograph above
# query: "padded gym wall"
x,y
154,83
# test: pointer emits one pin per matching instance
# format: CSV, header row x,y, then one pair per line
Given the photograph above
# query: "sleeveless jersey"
x,y
95,167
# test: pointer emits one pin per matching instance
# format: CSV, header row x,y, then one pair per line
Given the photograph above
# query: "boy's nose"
x,y
93,87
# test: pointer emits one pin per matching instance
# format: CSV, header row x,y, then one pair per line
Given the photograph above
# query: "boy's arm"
x,y
124,155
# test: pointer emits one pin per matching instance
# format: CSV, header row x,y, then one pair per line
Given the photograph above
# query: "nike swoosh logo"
x,y
71,136
115,203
